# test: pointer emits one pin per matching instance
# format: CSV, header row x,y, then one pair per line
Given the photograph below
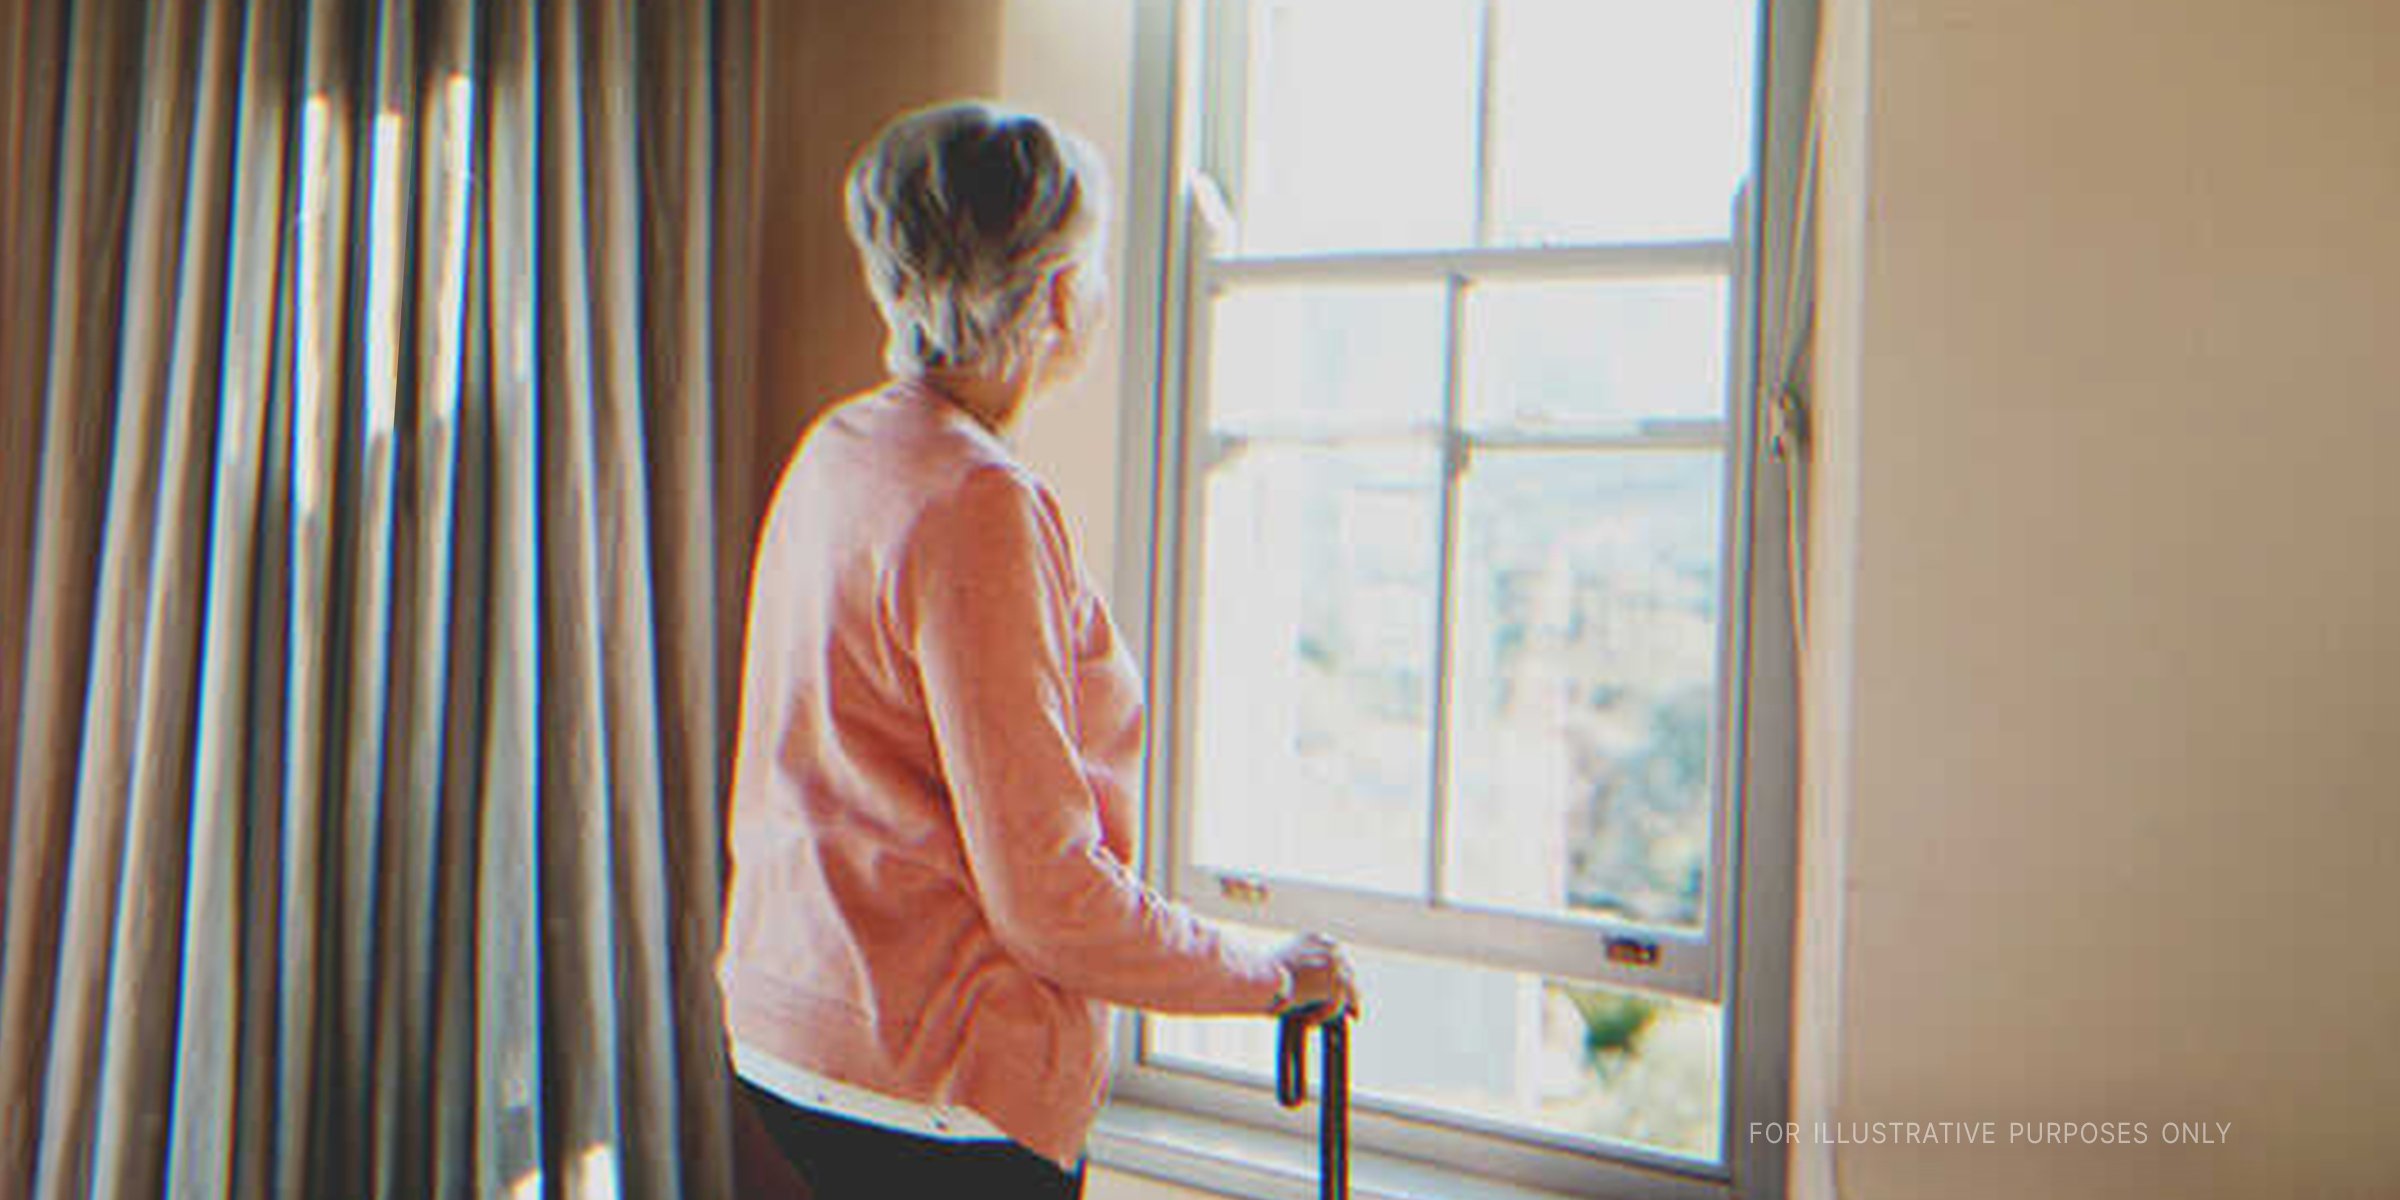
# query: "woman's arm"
x,y
984,594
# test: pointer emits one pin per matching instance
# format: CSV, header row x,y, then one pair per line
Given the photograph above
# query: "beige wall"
x,y
2106,601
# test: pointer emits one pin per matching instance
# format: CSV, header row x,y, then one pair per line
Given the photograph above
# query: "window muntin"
x,y
1451,543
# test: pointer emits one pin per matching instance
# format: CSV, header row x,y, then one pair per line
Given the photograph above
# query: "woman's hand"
x,y
1317,978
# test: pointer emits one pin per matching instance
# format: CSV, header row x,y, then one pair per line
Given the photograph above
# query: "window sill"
x,y
1256,1164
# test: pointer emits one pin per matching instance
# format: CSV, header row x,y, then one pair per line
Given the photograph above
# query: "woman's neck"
x,y
993,401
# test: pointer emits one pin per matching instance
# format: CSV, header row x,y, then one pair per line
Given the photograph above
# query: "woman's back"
x,y
936,788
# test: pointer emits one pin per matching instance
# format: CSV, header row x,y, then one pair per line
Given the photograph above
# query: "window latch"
x,y
1632,952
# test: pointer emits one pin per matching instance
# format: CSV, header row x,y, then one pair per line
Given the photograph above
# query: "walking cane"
x,y
1333,1107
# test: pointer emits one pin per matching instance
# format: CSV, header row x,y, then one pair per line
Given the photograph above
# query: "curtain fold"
x,y
359,687
681,173
206,1105
138,1037
32,51
65,379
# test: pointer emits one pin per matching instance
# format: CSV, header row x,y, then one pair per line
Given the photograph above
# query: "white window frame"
x,y
1741,956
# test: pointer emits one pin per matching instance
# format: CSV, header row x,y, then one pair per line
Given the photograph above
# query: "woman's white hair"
x,y
962,213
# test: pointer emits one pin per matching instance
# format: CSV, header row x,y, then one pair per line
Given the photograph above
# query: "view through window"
x,y
1452,501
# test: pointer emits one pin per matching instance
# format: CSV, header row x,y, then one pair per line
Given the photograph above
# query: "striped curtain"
x,y
358,660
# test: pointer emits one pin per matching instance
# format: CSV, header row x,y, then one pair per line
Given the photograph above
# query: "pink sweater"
x,y
936,789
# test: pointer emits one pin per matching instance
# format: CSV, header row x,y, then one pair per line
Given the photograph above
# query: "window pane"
x,y
1316,667
1518,1049
1619,120
1583,689
1317,358
1543,356
1360,125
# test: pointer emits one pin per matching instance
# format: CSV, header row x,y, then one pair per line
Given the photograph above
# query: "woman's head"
x,y
980,231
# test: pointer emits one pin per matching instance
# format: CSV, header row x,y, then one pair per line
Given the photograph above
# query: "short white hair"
x,y
962,212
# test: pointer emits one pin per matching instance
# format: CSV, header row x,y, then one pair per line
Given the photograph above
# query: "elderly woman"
x,y
936,791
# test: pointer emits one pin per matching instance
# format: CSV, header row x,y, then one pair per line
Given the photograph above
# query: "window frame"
x,y
1746,966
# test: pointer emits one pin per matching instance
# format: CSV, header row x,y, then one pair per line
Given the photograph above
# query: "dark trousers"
x,y
852,1160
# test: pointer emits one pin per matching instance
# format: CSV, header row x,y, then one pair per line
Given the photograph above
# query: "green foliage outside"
x,y
1613,1023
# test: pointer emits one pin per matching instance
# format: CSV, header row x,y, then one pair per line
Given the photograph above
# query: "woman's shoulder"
x,y
900,451
902,432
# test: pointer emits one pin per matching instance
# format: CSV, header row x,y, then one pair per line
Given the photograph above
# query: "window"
x,y
1451,602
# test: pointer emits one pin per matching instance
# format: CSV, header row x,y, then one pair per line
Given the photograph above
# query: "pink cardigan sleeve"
x,y
983,596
